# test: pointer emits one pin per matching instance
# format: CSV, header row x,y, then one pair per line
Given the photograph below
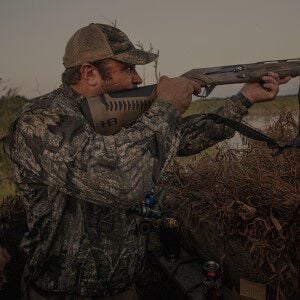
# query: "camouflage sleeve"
x,y
199,133
62,151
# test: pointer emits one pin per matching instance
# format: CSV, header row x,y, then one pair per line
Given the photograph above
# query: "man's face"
x,y
123,76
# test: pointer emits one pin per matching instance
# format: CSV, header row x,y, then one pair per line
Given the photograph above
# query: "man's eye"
x,y
131,69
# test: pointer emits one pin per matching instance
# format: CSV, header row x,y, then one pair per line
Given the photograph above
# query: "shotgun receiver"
x,y
108,113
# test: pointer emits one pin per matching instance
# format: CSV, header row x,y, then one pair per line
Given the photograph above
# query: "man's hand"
x,y
178,91
268,90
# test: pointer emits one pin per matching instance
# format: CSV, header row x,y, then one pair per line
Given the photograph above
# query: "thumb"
x,y
197,87
162,78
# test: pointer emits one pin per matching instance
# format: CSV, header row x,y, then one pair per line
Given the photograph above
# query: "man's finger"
x,y
274,75
196,87
272,88
285,80
163,77
270,79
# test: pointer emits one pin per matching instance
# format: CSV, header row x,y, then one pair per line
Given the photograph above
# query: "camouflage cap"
x,y
99,41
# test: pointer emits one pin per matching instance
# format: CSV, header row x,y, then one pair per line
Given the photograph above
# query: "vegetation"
x,y
267,108
10,104
240,207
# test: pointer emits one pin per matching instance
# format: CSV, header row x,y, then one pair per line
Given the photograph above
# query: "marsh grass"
x,y
245,195
267,108
7,188
10,104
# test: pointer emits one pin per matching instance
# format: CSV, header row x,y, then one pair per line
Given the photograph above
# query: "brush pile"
x,y
241,208
4,259
12,229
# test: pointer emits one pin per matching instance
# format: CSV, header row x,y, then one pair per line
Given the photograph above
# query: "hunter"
x,y
77,185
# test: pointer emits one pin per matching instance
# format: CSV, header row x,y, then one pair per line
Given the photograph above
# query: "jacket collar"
x,y
70,94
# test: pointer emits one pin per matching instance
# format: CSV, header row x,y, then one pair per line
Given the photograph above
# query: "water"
x,y
261,122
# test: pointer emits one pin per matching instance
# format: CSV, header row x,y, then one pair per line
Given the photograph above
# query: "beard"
x,y
111,87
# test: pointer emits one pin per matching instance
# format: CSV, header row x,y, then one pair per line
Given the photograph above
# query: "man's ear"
x,y
89,74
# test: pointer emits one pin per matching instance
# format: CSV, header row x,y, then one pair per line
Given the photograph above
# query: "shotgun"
x,y
108,113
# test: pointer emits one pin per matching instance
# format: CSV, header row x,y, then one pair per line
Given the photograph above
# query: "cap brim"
x,y
136,57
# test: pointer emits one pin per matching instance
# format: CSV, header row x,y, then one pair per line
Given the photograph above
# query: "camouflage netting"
x,y
241,208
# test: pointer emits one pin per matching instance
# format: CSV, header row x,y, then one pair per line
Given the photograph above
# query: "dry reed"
x,y
250,195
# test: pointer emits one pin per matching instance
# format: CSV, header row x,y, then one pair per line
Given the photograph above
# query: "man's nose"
x,y
136,78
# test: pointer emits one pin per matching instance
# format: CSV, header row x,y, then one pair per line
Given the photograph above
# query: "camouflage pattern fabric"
x,y
77,186
199,133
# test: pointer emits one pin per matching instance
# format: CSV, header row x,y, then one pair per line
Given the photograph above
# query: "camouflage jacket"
x,y
77,186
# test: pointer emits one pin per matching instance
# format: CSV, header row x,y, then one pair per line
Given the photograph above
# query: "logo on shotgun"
x,y
109,122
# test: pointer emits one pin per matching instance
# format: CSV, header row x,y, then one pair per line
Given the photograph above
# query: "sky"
x,y
188,34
